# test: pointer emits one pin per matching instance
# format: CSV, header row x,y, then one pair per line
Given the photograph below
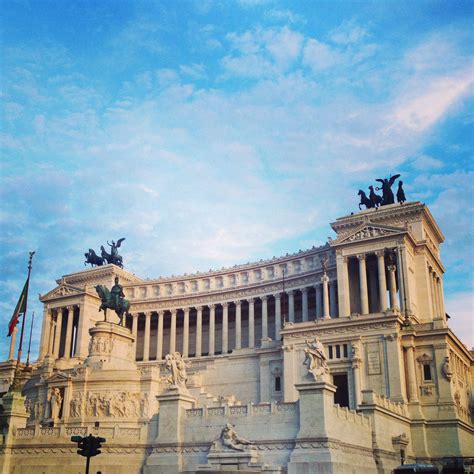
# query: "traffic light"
x,y
95,445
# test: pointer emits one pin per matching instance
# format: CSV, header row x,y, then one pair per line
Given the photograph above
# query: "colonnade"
x,y
364,284
232,325
61,336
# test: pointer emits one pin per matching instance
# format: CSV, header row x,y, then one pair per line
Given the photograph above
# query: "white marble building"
x,y
399,382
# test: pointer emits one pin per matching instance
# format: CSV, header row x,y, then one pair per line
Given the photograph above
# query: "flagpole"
x,y
29,343
24,314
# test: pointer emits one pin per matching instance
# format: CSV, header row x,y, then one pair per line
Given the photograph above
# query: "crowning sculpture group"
x,y
374,200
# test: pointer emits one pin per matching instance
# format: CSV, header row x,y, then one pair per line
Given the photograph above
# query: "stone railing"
x,y
242,410
113,432
350,416
239,276
369,397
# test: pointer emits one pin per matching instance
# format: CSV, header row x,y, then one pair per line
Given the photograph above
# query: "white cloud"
x,y
425,162
319,56
348,33
420,110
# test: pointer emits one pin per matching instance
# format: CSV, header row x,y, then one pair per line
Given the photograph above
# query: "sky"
x,y
213,133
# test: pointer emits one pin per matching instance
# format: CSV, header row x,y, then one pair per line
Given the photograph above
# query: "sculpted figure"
x,y
375,199
446,369
177,368
55,402
231,440
387,193
401,193
315,359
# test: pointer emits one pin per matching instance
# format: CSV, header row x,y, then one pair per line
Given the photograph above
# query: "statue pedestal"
x,y
111,347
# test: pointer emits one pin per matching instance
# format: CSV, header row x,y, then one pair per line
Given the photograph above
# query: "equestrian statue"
x,y
113,299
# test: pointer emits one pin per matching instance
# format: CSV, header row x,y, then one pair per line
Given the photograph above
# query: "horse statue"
x,y
109,258
93,259
364,200
375,199
112,301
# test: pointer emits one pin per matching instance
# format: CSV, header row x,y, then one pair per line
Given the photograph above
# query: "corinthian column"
x,y
412,385
67,345
277,316
52,325
238,325
57,338
225,328
392,288
382,280
251,323
199,331
186,333
291,306
135,331
364,297
212,329
304,298
146,340
325,281
173,331
319,300
159,341
264,317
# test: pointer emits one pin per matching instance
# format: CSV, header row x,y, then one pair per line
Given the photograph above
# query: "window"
x,y
277,384
427,372
341,397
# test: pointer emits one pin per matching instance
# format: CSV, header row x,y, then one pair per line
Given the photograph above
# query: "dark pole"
x,y
29,343
24,314
87,464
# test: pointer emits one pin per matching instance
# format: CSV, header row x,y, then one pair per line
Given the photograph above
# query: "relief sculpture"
x,y
115,405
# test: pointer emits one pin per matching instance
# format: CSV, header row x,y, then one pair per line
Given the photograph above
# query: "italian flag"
x,y
19,309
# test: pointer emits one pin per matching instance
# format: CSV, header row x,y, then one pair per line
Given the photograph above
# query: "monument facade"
x,y
336,359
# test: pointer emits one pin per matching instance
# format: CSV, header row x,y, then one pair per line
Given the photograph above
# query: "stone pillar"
x,y
304,298
238,325
441,297
411,373
251,322
356,363
68,345
186,333
212,329
146,340
225,328
264,317
199,331
402,265
364,296
319,300
57,337
395,368
159,341
52,325
135,332
333,298
277,316
82,337
11,354
325,281
173,331
343,285
291,306
382,280
44,344
392,286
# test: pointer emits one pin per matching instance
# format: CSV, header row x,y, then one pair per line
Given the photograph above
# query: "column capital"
x,y
361,257
277,296
70,307
290,292
174,310
380,253
304,290
186,310
391,268
211,306
237,303
250,300
198,308
159,312
225,305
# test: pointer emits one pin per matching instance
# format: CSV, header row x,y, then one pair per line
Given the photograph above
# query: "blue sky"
x,y
213,133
